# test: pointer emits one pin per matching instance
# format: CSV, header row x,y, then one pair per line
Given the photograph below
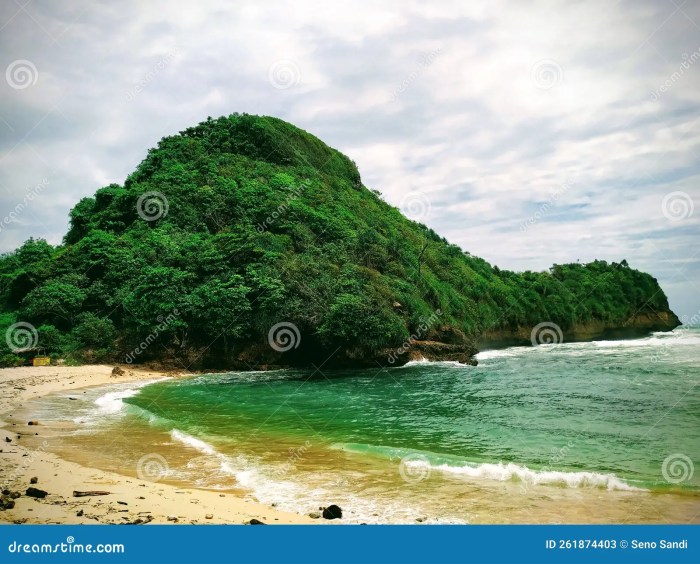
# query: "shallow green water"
x,y
605,414
601,432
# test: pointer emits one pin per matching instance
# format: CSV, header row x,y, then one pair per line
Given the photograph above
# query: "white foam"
x,y
194,442
496,353
424,362
111,402
507,472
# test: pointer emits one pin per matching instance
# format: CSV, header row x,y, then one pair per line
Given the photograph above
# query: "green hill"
x,y
244,222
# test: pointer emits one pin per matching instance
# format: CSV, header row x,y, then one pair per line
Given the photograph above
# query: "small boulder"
x,y
33,480
315,515
36,492
117,371
33,423
6,503
209,516
172,518
332,512
256,522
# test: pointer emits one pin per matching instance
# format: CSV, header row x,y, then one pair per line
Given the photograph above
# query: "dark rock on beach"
x,y
36,492
332,512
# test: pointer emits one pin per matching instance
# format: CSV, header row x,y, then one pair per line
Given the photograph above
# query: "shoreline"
x,y
131,501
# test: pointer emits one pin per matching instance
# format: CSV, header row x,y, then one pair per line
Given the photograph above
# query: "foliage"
x,y
266,223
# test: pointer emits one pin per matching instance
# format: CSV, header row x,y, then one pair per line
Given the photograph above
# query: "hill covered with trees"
x,y
245,241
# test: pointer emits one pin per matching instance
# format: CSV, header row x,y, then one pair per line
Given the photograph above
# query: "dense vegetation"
x,y
265,223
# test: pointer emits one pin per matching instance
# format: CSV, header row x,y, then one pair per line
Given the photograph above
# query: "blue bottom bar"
x,y
335,544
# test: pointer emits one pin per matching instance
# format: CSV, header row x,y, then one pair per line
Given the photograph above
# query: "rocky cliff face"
x,y
639,325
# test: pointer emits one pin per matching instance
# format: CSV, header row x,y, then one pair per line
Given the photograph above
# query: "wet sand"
x,y
131,500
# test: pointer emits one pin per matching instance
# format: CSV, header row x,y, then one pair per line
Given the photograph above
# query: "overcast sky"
x,y
528,133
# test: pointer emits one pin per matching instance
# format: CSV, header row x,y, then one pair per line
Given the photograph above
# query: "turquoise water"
x,y
615,407
584,432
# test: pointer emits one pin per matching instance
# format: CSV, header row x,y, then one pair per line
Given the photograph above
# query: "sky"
x,y
528,133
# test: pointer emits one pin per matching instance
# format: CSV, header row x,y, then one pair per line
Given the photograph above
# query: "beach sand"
x,y
130,499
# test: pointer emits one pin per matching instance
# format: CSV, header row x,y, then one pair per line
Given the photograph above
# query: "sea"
x,y
595,432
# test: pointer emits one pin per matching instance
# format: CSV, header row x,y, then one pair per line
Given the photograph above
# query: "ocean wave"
x,y
497,353
498,471
513,472
111,402
194,442
425,362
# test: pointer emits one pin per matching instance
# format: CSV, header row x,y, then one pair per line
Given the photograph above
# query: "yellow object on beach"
x,y
41,361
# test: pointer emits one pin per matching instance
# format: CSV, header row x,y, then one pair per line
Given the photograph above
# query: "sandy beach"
x,y
130,500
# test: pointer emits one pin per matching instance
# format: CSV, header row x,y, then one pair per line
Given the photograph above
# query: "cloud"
x,y
576,122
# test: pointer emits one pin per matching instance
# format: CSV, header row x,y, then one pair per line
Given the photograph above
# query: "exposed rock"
x,y
315,515
332,512
33,423
172,518
33,480
209,516
117,371
6,503
256,522
36,492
